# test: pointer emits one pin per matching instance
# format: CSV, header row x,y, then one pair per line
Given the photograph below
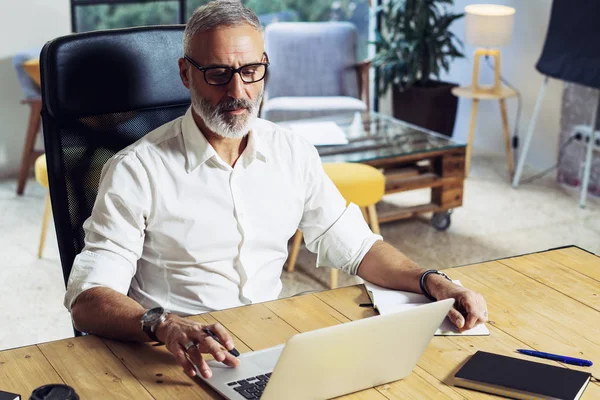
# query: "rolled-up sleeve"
x,y
114,233
337,233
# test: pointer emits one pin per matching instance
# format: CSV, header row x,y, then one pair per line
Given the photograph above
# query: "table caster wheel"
x,y
441,220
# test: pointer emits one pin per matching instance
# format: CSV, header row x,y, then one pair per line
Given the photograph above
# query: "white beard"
x,y
231,127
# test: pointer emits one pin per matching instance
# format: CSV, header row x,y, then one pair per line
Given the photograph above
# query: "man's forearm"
x,y
106,312
386,266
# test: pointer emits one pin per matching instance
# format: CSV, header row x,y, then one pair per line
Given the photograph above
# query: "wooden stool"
x,y
360,184
41,175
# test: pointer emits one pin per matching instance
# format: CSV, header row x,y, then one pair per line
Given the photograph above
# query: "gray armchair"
x,y
314,71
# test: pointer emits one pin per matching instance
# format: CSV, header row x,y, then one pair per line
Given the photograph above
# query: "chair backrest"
x,y
102,91
570,52
312,59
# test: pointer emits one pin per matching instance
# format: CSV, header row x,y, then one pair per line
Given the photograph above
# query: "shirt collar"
x,y
255,148
198,150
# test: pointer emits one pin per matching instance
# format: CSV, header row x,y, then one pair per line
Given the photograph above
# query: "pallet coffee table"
x,y
410,157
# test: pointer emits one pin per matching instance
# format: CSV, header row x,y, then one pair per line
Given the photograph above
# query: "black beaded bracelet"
x,y
422,282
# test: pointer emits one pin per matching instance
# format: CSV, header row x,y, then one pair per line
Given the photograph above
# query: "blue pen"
x,y
556,357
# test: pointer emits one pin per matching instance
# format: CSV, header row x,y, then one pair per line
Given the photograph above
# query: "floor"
x,y
495,221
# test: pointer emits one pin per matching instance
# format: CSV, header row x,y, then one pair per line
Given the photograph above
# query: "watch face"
x,y
152,316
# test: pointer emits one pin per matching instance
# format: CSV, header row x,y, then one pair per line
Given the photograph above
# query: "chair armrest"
x,y
362,71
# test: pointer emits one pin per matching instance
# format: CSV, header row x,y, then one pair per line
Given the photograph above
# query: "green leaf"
x,y
415,42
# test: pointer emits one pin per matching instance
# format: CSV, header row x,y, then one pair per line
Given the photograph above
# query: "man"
x,y
196,216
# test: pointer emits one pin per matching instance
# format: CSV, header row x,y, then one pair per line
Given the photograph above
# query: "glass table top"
x,y
380,137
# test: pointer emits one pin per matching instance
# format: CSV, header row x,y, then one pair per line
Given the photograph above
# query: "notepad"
x,y
320,133
520,379
388,301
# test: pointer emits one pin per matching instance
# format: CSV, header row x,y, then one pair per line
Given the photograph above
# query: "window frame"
x,y
183,20
79,3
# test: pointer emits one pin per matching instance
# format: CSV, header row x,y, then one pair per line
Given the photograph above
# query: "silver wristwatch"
x,y
152,319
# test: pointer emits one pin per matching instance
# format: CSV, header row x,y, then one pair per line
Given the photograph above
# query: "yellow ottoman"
x,y
41,175
360,184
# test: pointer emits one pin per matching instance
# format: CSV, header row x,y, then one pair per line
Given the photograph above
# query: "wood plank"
x,y
156,368
347,301
559,277
418,385
451,165
578,260
536,314
306,313
423,181
448,196
24,369
256,325
363,395
405,158
87,365
393,213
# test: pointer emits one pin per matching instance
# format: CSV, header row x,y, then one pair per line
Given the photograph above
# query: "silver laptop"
x,y
333,361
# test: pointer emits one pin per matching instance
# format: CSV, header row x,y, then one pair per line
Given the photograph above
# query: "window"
x,y
90,15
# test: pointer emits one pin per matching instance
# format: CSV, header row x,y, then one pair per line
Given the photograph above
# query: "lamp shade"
x,y
488,25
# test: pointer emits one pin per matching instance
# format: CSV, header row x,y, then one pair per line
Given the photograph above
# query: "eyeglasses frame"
x,y
233,70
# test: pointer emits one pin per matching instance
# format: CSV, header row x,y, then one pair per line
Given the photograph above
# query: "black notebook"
x,y
520,379
9,396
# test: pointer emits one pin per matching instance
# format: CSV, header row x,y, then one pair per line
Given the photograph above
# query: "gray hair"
x,y
218,13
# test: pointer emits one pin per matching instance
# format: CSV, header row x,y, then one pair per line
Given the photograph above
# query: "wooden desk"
x,y
549,301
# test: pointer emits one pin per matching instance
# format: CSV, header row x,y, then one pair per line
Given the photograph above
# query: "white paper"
x,y
320,133
388,301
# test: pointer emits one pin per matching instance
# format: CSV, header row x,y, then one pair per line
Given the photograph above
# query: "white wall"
x,y
24,24
518,67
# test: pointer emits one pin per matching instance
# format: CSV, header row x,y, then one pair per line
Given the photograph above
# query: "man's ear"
x,y
184,68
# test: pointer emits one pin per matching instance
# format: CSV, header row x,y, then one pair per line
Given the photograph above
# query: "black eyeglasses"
x,y
221,75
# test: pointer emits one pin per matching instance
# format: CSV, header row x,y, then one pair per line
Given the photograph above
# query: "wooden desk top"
x,y
548,301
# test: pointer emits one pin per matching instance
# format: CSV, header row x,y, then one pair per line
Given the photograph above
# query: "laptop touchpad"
x,y
264,359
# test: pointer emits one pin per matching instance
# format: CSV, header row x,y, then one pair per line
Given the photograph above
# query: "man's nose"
x,y
235,87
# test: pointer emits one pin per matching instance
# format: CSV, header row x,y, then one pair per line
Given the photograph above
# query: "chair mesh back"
x,y
86,145
136,95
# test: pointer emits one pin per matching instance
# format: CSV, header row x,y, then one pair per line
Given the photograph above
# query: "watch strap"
x,y
148,331
422,282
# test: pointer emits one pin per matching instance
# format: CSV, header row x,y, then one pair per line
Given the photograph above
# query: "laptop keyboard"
x,y
251,388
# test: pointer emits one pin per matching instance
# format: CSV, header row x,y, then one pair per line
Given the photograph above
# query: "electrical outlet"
x,y
582,134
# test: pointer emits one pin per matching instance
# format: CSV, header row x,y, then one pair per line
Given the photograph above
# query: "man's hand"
x,y
470,308
176,333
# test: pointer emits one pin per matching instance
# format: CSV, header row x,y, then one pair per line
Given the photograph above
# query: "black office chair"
x,y
102,91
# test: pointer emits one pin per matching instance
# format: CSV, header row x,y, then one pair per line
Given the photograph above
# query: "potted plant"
x,y
414,45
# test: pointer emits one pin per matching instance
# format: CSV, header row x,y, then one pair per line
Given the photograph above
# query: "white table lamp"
x,y
488,26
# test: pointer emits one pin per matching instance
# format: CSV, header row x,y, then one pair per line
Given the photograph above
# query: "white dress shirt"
x,y
174,225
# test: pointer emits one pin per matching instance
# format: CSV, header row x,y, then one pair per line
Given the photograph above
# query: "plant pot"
x,y
431,106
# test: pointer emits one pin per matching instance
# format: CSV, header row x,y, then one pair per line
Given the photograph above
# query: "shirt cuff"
x,y
95,269
346,242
